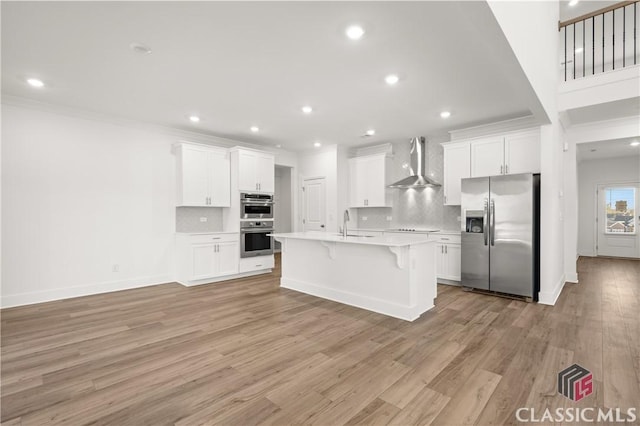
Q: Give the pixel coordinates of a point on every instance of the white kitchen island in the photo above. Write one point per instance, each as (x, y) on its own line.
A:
(393, 275)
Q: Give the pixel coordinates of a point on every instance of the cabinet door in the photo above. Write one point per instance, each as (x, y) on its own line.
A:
(204, 261)
(522, 153)
(487, 157)
(247, 172)
(457, 166)
(228, 258)
(454, 257)
(195, 172)
(374, 181)
(265, 173)
(357, 190)
(220, 183)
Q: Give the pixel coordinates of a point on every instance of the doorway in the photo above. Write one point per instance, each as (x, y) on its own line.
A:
(313, 204)
(283, 201)
(617, 220)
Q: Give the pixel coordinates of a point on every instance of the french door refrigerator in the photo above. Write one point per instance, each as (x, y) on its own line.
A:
(501, 234)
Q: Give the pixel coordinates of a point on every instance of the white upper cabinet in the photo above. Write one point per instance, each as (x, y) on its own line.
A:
(367, 181)
(522, 152)
(203, 176)
(517, 152)
(457, 166)
(256, 171)
(487, 157)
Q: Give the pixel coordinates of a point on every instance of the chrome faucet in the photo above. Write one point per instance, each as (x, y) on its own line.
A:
(345, 219)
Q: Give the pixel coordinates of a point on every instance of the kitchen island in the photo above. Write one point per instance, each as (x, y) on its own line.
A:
(393, 275)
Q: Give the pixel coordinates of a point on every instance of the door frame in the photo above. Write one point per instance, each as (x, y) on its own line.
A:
(303, 179)
(596, 208)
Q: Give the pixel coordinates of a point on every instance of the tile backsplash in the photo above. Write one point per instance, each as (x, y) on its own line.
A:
(415, 207)
(188, 219)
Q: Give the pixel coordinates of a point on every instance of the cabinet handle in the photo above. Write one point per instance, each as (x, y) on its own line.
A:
(444, 239)
(216, 238)
(506, 169)
(446, 249)
(501, 170)
(258, 265)
(445, 199)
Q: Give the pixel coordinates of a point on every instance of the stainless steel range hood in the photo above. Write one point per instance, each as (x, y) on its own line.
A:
(419, 177)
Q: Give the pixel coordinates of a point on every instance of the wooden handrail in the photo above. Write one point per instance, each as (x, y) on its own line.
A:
(595, 13)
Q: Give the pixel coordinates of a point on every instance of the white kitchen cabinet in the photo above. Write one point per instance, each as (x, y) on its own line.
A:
(367, 181)
(522, 152)
(487, 157)
(448, 256)
(512, 153)
(207, 256)
(203, 176)
(256, 171)
(258, 263)
(457, 166)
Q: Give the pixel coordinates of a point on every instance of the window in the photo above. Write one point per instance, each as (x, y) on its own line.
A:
(620, 210)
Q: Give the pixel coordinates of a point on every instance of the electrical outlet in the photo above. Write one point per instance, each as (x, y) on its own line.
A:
(203, 219)
(116, 268)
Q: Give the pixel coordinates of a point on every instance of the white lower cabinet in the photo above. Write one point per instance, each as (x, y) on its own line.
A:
(207, 256)
(448, 256)
(257, 263)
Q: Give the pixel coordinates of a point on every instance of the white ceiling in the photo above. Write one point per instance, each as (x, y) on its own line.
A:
(608, 149)
(238, 64)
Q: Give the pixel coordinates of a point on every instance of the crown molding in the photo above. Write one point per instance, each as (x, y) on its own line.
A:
(505, 126)
(627, 127)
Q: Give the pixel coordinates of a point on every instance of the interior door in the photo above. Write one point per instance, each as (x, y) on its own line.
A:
(617, 220)
(314, 204)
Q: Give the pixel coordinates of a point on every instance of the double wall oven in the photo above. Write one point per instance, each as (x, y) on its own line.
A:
(256, 223)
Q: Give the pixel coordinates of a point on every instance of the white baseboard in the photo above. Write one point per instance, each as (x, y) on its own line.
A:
(21, 299)
(572, 277)
(359, 301)
(224, 278)
(550, 298)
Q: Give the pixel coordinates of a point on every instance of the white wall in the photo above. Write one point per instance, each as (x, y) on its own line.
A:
(321, 163)
(80, 196)
(531, 29)
(283, 199)
(590, 174)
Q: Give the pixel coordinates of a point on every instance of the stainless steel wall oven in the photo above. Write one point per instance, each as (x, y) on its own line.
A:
(254, 239)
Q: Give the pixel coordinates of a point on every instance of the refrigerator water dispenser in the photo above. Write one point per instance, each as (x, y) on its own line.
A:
(474, 221)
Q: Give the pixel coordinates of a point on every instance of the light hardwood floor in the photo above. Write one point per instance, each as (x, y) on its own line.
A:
(247, 352)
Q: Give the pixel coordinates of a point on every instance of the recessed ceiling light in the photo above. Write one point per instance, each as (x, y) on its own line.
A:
(34, 82)
(371, 132)
(445, 114)
(307, 109)
(635, 143)
(317, 144)
(573, 2)
(579, 50)
(194, 118)
(254, 129)
(140, 48)
(355, 32)
(391, 79)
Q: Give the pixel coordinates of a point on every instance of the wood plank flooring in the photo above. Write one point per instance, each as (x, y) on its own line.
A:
(248, 352)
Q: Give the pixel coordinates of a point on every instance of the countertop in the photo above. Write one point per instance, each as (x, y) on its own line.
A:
(395, 240)
(440, 231)
(207, 233)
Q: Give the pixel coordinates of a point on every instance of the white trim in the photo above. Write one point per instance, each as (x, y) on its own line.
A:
(223, 278)
(604, 130)
(30, 298)
(369, 303)
(512, 125)
(550, 298)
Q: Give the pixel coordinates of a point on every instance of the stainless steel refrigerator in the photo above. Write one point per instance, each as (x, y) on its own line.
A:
(501, 234)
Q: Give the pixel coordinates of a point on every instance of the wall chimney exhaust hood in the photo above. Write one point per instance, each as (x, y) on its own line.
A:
(417, 168)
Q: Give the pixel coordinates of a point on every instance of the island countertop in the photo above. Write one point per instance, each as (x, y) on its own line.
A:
(390, 240)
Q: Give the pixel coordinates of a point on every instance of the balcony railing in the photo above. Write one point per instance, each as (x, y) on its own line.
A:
(604, 40)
